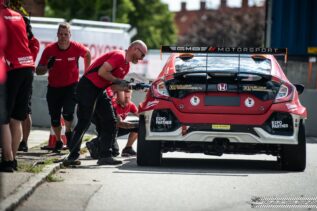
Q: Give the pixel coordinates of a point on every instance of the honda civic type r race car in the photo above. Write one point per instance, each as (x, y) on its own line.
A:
(223, 100)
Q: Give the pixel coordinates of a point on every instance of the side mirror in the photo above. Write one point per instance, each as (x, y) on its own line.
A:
(300, 88)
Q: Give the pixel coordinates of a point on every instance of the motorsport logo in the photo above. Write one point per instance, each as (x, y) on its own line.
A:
(210, 49)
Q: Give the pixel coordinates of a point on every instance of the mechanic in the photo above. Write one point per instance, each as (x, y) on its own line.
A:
(34, 46)
(60, 59)
(122, 108)
(20, 67)
(109, 69)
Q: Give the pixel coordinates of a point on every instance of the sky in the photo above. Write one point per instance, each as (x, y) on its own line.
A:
(175, 5)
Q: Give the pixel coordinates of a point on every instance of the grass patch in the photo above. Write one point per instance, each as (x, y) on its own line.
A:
(35, 168)
(83, 150)
(54, 178)
(87, 138)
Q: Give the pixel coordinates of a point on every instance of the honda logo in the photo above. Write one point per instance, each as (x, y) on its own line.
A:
(222, 87)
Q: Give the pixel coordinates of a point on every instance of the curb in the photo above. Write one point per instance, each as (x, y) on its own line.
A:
(26, 189)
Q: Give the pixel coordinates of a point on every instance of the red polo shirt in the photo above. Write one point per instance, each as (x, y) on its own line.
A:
(16, 52)
(124, 111)
(116, 59)
(65, 69)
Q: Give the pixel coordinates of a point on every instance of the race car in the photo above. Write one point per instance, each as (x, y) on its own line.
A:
(217, 100)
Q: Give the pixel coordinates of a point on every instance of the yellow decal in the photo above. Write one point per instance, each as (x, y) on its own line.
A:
(184, 87)
(254, 88)
(220, 127)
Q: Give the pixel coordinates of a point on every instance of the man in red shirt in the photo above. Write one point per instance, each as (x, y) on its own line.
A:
(107, 70)
(60, 59)
(122, 106)
(20, 66)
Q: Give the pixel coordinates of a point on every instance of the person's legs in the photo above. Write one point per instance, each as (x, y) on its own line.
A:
(86, 95)
(93, 145)
(108, 131)
(16, 133)
(54, 103)
(26, 129)
(18, 87)
(7, 162)
(133, 135)
(26, 126)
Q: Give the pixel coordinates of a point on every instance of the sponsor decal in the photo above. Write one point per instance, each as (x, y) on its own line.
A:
(13, 18)
(188, 48)
(291, 106)
(25, 60)
(278, 125)
(159, 120)
(249, 102)
(222, 87)
(220, 127)
(71, 58)
(184, 87)
(254, 88)
(151, 104)
(194, 100)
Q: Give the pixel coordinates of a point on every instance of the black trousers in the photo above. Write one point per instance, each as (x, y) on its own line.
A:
(106, 125)
(86, 96)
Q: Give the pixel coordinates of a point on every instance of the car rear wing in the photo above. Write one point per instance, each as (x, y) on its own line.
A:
(225, 50)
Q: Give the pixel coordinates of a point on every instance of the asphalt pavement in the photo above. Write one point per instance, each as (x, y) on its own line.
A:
(16, 187)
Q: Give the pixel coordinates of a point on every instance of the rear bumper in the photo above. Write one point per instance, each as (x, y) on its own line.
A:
(260, 137)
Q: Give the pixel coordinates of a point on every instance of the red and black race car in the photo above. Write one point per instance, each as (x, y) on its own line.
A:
(223, 100)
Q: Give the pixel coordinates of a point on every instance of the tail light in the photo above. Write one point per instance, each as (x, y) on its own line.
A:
(285, 93)
(159, 90)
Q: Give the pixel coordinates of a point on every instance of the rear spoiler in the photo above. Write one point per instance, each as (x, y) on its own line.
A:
(225, 50)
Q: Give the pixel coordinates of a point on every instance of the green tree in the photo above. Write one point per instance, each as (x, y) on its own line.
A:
(152, 19)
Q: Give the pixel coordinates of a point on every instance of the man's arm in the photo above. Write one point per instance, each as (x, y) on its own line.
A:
(87, 59)
(105, 72)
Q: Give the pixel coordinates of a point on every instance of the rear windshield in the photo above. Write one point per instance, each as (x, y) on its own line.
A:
(224, 63)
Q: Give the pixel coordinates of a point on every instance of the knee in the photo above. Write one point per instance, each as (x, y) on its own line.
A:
(68, 117)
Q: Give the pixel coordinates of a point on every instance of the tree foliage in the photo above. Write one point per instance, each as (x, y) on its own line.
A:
(234, 29)
(152, 19)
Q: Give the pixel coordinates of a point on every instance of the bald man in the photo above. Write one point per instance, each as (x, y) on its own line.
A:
(108, 70)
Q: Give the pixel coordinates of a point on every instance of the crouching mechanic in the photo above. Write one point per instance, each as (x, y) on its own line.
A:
(122, 105)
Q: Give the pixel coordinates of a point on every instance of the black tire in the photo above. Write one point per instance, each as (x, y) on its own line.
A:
(293, 157)
(148, 152)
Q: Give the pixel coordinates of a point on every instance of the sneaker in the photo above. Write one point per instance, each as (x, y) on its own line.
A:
(108, 161)
(71, 162)
(23, 146)
(93, 150)
(128, 152)
(7, 166)
(15, 164)
(58, 146)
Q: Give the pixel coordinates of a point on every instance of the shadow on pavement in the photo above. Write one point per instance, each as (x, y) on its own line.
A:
(195, 166)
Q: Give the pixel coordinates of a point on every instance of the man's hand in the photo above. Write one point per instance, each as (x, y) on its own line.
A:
(50, 62)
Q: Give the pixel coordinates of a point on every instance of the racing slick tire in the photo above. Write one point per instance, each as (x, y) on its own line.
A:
(148, 152)
(293, 157)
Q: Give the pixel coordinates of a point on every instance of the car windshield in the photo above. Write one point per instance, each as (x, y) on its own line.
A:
(231, 63)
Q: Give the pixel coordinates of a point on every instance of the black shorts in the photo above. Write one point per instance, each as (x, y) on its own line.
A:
(123, 131)
(29, 111)
(18, 89)
(61, 101)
